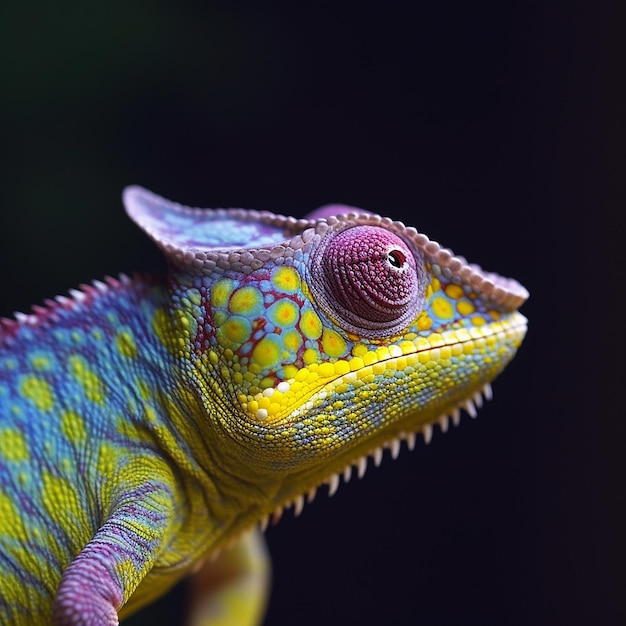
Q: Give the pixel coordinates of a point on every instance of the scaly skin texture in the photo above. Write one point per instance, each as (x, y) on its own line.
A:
(146, 423)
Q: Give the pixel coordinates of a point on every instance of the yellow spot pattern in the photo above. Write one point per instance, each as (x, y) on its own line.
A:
(246, 301)
(333, 343)
(62, 503)
(41, 362)
(108, 459)
(267, 352)
(221, 292)
(92, 384)
(424, 321)
(13, 445)
(162, 326)
(477, 320)
(292, 340)
(310, 356)
(38, 391)
(453, 291)
(11, 524)
(465, 307)
(144, 388)
(286, 279)
(233, 332)
(126, 344)
(442, 308)
(284, 312)
(311, 325)
(73, 427)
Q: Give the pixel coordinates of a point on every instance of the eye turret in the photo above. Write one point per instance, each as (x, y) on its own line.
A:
(368, 279)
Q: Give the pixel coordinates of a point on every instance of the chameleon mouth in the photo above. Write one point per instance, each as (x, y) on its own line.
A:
(314, 383)
(511, 333)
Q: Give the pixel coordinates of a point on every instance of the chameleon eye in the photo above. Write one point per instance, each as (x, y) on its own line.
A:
(396, 258)
(368, 280)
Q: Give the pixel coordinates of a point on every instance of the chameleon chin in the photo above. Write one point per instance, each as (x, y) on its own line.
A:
(150, 426)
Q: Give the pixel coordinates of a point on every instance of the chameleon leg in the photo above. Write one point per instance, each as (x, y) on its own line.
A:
(232, 589)
(103, 576)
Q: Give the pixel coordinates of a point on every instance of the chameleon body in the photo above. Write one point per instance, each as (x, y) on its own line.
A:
(146, 423)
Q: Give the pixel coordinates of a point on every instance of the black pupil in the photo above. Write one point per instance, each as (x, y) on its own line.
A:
(396, 258)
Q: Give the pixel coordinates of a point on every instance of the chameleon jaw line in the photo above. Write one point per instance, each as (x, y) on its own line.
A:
(470, 406)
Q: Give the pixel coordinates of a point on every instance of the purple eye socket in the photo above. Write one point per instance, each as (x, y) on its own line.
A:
(368, 280)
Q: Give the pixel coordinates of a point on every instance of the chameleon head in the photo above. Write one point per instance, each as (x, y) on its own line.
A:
(334, 336)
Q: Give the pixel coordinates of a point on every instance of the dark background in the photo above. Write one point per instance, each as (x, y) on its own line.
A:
(494, 128)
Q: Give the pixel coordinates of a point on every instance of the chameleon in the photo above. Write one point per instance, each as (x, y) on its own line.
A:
(152, 426)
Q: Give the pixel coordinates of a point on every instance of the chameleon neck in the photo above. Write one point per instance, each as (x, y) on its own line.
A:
(199, 413)
(106, 369)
